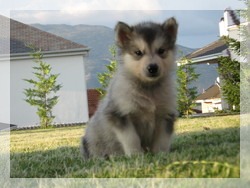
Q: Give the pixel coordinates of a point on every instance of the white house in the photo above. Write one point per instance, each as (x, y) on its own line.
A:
(210, 99)
(66, 59)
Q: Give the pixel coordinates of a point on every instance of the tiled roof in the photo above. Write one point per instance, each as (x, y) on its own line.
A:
(22, 35)
(5, 126)
(213, 48)
(212, 92)
(4, 35)
(233, 18)
(93, 100)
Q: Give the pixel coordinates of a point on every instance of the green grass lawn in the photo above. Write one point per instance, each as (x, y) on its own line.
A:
(202, 147)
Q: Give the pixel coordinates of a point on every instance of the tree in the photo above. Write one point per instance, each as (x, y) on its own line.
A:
(43, 88)
(105, 77)
(229, 71)
(186, 94)
(245, 66)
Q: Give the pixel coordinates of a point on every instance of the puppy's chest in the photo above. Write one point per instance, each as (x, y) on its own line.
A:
(145, 125)
(145, 116)
(150, 110)
(150, 105)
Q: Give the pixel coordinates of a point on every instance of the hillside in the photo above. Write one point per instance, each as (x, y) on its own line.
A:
(98, 39)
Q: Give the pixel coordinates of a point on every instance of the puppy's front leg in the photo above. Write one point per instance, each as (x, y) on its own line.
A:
(128, 138)
(162, 135)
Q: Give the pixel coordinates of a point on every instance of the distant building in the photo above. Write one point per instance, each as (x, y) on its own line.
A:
(93, 100)
(66, 58)
(208, 55)
(209, 100)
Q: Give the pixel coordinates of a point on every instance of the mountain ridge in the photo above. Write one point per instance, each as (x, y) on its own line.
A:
(96, 37)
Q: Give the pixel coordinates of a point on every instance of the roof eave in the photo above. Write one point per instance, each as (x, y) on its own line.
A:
(59, 53)
(206, 58)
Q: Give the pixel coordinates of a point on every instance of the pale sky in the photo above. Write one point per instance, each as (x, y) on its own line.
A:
(198, 19)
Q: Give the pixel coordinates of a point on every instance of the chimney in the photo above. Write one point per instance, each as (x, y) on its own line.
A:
(223, 24)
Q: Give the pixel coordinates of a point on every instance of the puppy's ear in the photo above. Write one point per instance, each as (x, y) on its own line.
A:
(123, 34)
(170, 28)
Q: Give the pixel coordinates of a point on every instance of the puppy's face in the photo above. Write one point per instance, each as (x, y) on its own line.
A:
(147, 48)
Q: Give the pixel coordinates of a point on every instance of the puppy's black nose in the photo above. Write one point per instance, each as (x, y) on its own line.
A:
(152, 69)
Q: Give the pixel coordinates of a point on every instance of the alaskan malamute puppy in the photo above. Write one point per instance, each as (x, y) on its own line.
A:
(138, 112)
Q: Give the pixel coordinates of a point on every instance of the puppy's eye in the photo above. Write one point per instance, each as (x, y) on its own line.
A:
(138, 53)
(161, 51)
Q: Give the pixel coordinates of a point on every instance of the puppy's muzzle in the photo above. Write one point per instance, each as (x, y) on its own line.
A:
(153, 70)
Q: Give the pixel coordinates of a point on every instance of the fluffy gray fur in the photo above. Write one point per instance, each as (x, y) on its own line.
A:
(138, 112)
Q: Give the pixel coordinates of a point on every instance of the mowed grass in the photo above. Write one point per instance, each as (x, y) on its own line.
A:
(202, 148)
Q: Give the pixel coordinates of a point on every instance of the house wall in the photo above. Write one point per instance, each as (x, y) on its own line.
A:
(72, 105)
(234, 32)
(5, 91)
(208, 106)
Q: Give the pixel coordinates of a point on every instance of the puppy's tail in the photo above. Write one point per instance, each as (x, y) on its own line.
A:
(84, 148)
